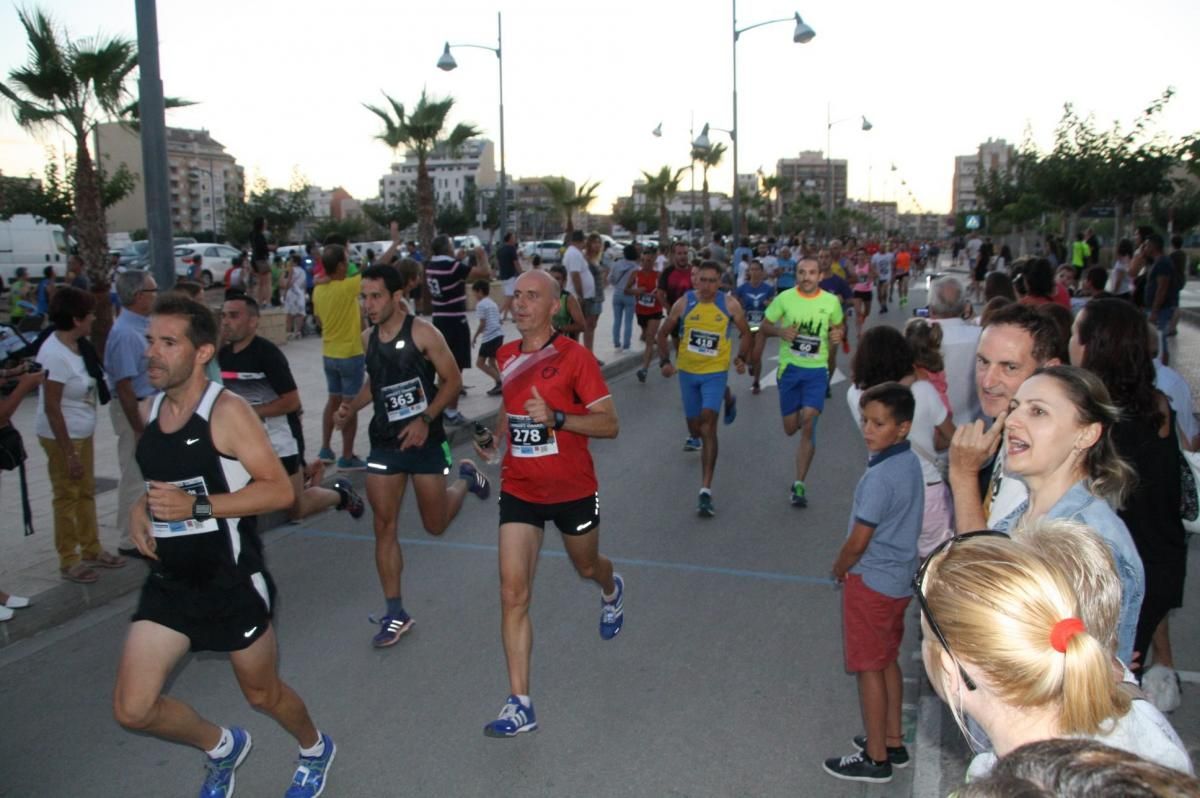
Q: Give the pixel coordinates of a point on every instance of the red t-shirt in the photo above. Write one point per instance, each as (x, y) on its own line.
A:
(543, 465)
(675, 282)
(902, 262)
(647, 303)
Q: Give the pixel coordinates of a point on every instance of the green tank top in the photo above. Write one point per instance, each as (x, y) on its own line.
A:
(562, 318)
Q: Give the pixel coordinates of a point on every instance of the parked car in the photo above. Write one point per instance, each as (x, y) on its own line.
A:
(467, 242)
(550, 251)
(215, 261)
(135, 256)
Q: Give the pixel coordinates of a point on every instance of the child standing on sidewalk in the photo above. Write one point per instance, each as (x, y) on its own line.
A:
(488, 313)
(876, 567)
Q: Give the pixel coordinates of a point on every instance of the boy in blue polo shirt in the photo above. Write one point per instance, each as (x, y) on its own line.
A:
(875, 567)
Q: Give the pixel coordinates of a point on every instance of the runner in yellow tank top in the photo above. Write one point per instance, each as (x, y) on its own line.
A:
(703, 356)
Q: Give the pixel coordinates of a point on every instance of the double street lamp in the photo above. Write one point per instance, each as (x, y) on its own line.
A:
(803, 34)
(829, 166)
(447, 63)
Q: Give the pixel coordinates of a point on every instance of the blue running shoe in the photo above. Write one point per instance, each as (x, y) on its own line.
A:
(691, 445)
(705, 506)
(391, 630)
(351, 463)
(514, 719)
(220, 779)
(730, 410)
(611, 613)
(477, 483)
(351, 501)
(311, 772)
(327, 456)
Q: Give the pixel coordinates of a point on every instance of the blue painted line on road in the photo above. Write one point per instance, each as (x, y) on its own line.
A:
(768, 576)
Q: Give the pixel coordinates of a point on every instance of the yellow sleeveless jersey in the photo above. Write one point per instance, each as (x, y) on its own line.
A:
(704, 346)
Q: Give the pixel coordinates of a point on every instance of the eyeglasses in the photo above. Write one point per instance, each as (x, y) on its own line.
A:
(147, 290)
(919, 580)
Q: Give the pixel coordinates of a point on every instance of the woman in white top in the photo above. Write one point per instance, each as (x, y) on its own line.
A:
(293, 288)
(1119, 284)
(66, 420)
(884, 355)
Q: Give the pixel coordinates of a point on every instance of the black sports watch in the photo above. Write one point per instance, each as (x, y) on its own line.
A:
(202, 507)
(428, 419)
(560, 418)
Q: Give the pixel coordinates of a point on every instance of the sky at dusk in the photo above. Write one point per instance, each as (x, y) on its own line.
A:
(281, 84)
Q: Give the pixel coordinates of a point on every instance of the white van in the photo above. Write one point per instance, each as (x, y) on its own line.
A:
(26, 240)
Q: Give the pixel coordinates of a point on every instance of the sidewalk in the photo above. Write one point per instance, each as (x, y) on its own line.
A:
(29, 565)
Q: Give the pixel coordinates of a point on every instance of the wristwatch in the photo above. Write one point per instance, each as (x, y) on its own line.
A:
(428, 419)
(202, 507)
(560, 418)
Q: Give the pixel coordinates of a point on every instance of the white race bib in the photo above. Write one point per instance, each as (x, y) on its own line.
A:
(404, 399)
(194, 486)
(527, 438)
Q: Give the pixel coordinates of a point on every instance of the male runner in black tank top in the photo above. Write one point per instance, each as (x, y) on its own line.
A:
(210, 470)
(404, 354)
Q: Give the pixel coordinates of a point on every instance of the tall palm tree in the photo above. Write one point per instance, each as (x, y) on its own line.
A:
(708, 157)
(772, 186)
(75, 86)
(567, 199)
(660, 189)
(422, 132)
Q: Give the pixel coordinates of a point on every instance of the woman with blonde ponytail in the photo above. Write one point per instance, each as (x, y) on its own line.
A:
(1006, 643)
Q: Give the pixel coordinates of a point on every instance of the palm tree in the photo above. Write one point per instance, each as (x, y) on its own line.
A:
(708, 157)
(421, 131)
(771, 187)
(567, 199)
(660, 189)
(75, 85)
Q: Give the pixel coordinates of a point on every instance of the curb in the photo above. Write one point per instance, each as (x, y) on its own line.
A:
(62, 602)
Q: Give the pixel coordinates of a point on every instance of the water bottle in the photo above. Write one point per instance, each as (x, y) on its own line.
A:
(483, 438)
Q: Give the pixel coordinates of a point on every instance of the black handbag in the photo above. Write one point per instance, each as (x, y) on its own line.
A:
(12, 456)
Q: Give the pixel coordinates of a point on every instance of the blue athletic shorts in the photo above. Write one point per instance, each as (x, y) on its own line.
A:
(702, 392)
(344, 375)
(800, 387)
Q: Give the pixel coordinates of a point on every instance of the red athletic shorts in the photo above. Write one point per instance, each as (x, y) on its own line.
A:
(872, 626)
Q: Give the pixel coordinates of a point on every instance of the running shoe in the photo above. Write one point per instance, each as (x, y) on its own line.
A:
(495, 390)
(452, 416)
(351, 463)
(514, 719)
(641, 375)
(391, 630)
(220, 779)
(327, 456)
(903, 301)
(611, 613)
(730, 410)
(352, 503)
(799, 499)
(691, 445)
(755, 388)
(883, 309)
(897, 756)
(705, 506)
(477, 483)
(311, 771)
(858, 767)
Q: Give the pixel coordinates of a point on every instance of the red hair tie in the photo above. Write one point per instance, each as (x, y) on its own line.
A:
(1063, 631)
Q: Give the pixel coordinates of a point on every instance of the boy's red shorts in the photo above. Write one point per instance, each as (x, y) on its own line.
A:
(872, 626)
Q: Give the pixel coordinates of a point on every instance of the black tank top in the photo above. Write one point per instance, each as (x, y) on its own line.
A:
(216, 552)
(401, 386)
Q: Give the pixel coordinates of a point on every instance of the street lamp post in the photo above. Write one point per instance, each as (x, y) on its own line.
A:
(803, 34)
(657, 133)
(829, 166)
(446, 63)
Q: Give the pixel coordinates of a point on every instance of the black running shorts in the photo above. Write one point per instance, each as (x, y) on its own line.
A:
(213, 618)
(576, 517)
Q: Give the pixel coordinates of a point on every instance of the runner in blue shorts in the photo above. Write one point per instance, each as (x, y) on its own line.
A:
(807, 321)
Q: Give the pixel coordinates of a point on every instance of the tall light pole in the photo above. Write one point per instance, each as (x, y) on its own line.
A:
(829, 166)
(803, 34)
(446, 63)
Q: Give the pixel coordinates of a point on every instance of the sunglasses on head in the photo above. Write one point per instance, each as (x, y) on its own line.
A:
(919, 581)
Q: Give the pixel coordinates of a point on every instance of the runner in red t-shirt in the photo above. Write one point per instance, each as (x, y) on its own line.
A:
(901, 271)
(555, 398)
(644, 287)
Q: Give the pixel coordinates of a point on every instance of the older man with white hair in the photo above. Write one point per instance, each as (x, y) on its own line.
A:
(948, 307)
